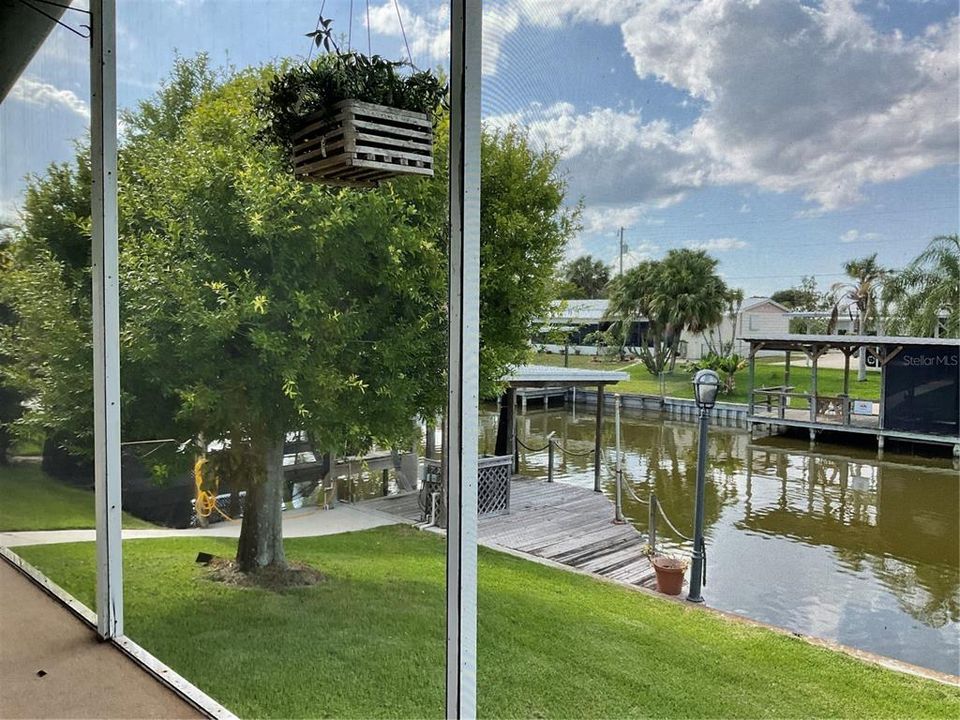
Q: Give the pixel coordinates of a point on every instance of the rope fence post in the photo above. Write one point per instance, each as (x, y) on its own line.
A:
(652, 524)
(550, 449)
(618, 517)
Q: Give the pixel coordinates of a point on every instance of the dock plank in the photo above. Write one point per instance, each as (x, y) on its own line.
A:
(564, 523)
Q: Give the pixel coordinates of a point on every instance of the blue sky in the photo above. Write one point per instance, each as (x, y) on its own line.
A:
(783, 136)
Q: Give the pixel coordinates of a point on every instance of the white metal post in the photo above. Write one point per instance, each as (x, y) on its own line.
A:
(463, 370)
(106, 316)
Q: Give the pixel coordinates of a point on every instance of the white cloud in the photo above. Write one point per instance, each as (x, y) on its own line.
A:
(805, 99)
(606, 219)
(721, 244)
(611, 156)
(41, 94)
(797, 97)
(9, 212)
(427, 33)
(853, 235)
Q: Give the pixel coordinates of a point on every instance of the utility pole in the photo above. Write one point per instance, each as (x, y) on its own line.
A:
(622, 248)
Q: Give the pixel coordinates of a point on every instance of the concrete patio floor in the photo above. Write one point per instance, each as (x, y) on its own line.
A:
(53, 666)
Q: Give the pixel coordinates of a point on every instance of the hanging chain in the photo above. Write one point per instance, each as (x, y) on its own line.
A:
(396, 4)
(369, 44)
(316, 29)
(350, 29)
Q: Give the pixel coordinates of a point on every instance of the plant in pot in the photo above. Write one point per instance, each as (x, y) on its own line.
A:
(351, 119)
(670, 571)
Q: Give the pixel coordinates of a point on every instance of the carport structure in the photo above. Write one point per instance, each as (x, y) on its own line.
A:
(558, 378)
(919, 388)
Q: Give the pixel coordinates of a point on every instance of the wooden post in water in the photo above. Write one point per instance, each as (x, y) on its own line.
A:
(652, 525)
(814, 392)
(596, 442)
(550, 448)
(786, 386)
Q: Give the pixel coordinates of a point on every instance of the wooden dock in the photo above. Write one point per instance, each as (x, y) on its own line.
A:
(563, 523)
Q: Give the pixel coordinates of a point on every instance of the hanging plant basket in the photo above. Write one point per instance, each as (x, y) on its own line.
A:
(352, 120)
(362, 144)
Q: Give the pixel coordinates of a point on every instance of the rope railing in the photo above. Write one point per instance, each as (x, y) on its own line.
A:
(666, 519)
(557, 446)
(522, 444)
(613, 472)
(629, 489)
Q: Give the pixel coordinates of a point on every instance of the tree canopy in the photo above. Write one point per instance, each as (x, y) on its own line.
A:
(253, 304)
(923, 299)
(680, 292)
(584, 278)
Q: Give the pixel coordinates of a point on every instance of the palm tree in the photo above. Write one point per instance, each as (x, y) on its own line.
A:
(925, 296)
(861, 296)
(680, 292)
(586, 277)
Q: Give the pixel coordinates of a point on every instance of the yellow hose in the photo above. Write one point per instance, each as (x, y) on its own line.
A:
(206, 502)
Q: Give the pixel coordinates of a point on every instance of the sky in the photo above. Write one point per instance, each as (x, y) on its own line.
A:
(783, 136)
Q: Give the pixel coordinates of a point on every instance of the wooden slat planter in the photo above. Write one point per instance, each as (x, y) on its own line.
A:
(363, 144)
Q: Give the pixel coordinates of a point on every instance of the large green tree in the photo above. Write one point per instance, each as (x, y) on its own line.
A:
(253, 305)
(680, 292)
(923, 299)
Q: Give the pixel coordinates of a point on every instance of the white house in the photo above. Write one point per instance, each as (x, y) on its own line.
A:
(757, 316)
(578, 319)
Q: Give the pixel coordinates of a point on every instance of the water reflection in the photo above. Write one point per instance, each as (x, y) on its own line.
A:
(897, 519)
(831, 542)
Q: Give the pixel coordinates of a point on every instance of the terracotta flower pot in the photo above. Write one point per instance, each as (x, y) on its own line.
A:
(669, 574)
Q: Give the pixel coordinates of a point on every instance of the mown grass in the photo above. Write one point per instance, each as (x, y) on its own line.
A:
(768, 373)
(579, 361)
(32, 500)
(368, 642)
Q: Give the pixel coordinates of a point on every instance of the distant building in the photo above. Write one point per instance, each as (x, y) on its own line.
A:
(579, 319)
(757, 316)
(816, 321)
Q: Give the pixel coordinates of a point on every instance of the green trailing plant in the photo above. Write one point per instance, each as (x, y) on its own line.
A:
(313, 89)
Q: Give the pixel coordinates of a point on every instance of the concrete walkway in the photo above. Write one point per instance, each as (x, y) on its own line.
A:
(52, 665)
(306, 522)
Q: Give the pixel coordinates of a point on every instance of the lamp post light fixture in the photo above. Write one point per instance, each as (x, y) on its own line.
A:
(706, 385)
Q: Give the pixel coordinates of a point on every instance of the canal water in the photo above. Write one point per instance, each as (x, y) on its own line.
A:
(829, 542)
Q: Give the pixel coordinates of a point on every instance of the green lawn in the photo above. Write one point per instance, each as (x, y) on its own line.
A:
(368, 642)
(829, 382)
(31, 500)
(769, 373)
(578, 361)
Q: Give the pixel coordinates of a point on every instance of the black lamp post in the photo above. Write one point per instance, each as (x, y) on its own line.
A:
(706, 385)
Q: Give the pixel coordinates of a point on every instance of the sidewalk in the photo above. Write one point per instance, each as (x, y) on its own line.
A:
(306, 522)
(53, 666)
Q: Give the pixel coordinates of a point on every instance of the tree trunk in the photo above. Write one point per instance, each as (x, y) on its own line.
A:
(261, 533)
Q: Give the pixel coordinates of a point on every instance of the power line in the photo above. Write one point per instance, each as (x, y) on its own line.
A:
(793, 220)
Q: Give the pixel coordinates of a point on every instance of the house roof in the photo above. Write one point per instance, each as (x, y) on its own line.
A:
(794, 342)
(550, 376)
(755, 300)
(579, 309)
(23, 28)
